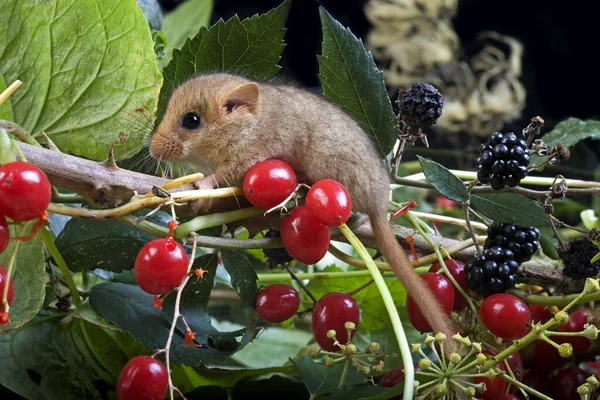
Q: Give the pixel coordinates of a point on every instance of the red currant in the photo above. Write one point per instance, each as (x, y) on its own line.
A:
(304, 237)
(331, 312)
(24, 191)
(443, 291)
(493, 387)
(547, 357)
(566, 383)
(3, 279)
(143, 378)
(4, 234)
(268, 183)
(540, 381)
(393, 377)
(507, 397)
(160, 266)
(539, 313)
(506, 316)
(577, 320)
(457, 270)
(277, 302)
(329, 201)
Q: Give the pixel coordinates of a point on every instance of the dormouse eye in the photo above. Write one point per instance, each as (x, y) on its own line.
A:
(190, 121)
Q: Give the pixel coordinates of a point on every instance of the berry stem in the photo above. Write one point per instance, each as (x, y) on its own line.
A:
(19, 133)
(299, 282)
(48, 239)
(521, 385)
(9, 273)
(409, 370)
(270, 278)
(212, 220)
(9, 90)
(361, 287)
(347, 365)
(466, 207)
(555, 300)
(448, 220)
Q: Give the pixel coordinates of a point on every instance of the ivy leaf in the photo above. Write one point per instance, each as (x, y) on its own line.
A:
(251, 47)
(185, 21)
(510, 208)
(6, 107)
(320, 379)
(444, 181)
(243, 276)
(351, 80)
(571, 131)
(88, 68)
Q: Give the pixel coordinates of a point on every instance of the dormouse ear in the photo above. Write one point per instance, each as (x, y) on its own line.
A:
(245, 95)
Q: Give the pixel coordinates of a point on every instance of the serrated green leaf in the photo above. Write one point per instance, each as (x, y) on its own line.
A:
(570, 131)
(6, 107)
(132, 309)
(320, 379)
(510, 208)
(88, 68)
(351, 80)
(251, 48)
(185, 21)
(444, 181)
(29, 280)
(243, 276)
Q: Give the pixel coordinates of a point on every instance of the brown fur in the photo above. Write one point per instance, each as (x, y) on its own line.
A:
(244, 122)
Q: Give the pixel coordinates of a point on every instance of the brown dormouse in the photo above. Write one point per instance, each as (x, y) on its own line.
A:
(226, 123)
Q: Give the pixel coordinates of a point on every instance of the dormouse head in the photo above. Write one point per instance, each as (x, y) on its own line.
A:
(203, 115)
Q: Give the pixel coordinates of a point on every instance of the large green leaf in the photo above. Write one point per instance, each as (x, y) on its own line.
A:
(443, 180)
(351, 80)
(251, 47)
(185, 21)
(243, 277)
(320, 379)
(88, 68)
(510, 208)
(570, 131)
(29, 279)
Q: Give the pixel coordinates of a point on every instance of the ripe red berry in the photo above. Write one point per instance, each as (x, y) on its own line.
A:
(457, 270)
(143, 378)
(506, 316)
(493, 387)
(539, 313)
(547, 357)
(540, 381)
(4, 234)
(3, 279)
(24, 191)
(331, 312)
(516, 365)
(507, 397)
(444, 293)
(577, 320)
(304, 237)
(160, 266)
(329, 201)
(566, 383)
(393, 377)
(268, 183)
(277, 302)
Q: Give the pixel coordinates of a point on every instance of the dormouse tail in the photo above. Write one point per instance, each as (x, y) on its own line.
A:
(415, 286)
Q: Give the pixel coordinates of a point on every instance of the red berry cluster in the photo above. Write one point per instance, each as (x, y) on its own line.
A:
(305, 231)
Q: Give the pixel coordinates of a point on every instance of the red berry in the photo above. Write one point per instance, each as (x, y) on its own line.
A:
(143, 378)
(516, 365)
(566, 383)
(506, 316)
(3, 280)
(443, 291)
(160, 266)
(277, 302)
(393, 377)
(331, 312)
(493, 387)
(304, 237)
(457, 270)
(540, 381)
(4, 234)
(507, 397)
(547, 357)
(577, 319)
(539, 313)
(329, 201)
(445, 202)
(24, 191)
(268, 183)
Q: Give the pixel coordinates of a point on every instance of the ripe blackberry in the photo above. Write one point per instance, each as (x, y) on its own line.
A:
(577, 259)
(503, 160)
(523, 242)
(276, 256)
(492, 272)
(421, 105)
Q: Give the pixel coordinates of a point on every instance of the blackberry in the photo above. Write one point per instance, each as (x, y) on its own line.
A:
(576, 259)
(523, 242)
(277, 256)
(421, 105)
(492, 272)
(503, 160)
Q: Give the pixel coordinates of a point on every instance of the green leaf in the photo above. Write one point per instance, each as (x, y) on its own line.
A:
(510, 208)
(364, 391)
(204, 376)
(89, 72)
(7, 153)
(570, 131)
(595, 258)
(152, 13)
(320, 379)
(6, 107)
(132, 309)
(243, 276)
(444, 181)
(185, 21)
(29, 280)
(251, 47)
(351, 80)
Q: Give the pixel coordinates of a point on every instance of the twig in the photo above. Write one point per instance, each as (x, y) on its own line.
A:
(466, 208)
(299, 281)
(9, 90)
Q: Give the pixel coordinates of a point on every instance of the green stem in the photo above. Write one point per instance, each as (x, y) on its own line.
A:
(48, 239)
(212, 220)
(9, 272)
(520, 385)
(409, 370)
(270, 278)
(345, 373)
